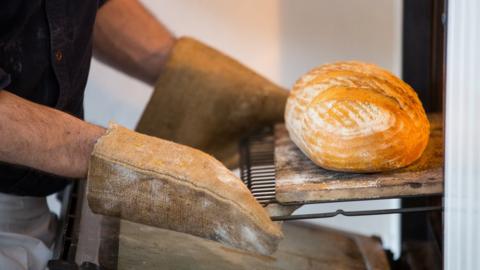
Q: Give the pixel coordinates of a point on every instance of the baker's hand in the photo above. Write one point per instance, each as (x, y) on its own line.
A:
(207, 100)
(156, 182)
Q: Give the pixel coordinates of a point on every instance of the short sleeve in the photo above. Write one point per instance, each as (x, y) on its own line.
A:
(4, 79)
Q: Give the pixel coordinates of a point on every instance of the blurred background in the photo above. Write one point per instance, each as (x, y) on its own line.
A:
(280, 39)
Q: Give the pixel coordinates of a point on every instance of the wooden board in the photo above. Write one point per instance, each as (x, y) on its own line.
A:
(304, 247)
(299, 180)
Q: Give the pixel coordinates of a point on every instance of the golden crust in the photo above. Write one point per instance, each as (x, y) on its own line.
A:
(353, 116)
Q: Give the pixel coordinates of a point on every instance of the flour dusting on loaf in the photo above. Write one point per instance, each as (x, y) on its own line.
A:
(357, 117)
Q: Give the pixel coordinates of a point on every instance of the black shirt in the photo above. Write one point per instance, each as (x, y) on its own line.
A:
(45, 52)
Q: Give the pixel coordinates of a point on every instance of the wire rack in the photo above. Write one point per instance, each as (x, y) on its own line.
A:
(257, 165)
(257, 171)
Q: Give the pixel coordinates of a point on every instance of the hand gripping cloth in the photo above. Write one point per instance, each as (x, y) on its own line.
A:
(207, 100)
(171, 186)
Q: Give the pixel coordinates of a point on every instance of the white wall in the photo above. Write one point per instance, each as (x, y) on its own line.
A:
(281, 39)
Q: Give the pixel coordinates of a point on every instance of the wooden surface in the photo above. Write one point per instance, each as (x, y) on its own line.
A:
(304, 247)
(299, 180)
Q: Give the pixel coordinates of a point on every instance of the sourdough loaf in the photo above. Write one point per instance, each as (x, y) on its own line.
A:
(357, 117)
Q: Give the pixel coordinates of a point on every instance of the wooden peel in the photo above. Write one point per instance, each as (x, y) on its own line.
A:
(305, 246)
(299, 180)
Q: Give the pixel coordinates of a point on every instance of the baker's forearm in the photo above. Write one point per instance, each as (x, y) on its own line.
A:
(43, 138)
(127, 37)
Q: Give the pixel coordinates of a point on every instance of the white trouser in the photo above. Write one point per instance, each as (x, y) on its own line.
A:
(27, 232)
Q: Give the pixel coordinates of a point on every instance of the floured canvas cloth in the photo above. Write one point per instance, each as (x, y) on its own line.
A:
(164, 184)
(207, 100)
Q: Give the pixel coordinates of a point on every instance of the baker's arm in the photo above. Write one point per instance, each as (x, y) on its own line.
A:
(128, 38)
(202, 97)
(137, 177)
(46, 139)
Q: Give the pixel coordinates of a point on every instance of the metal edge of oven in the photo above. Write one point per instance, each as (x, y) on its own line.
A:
(66, 244)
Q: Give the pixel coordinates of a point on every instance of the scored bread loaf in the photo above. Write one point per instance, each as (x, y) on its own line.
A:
(356, 117)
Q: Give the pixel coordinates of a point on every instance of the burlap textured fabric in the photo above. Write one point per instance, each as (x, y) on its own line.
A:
(208, 100)
(171, 186)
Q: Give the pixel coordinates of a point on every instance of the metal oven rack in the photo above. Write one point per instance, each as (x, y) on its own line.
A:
(257, 170)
